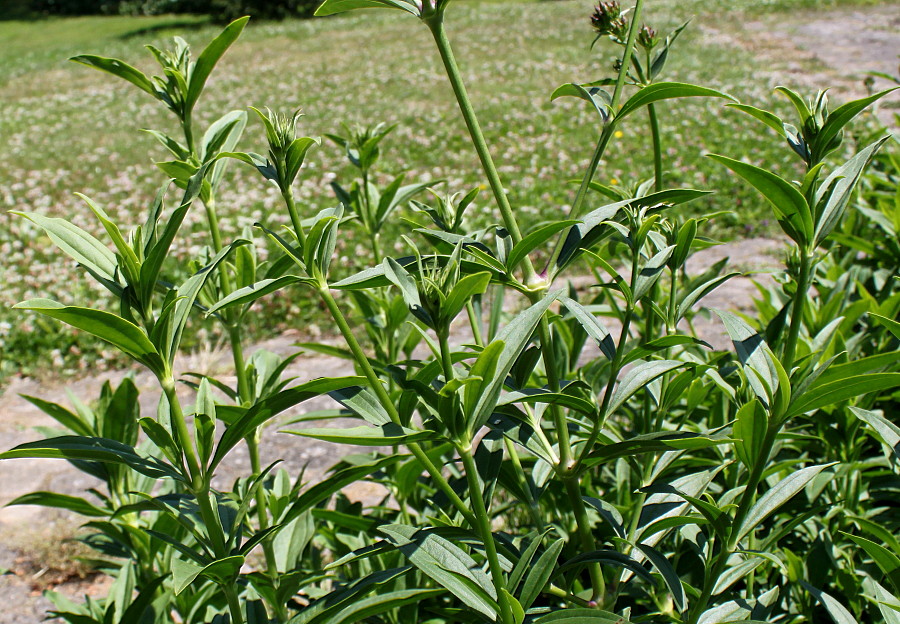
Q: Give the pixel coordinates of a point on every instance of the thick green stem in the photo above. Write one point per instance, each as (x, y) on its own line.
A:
(288, 195)
(234, 605)
(803, 284)
(657, 149)
(474, 323)
(483, 524)
(610, 125)
(388, 404)
(585, 535)
(183, 436)
(436, 24)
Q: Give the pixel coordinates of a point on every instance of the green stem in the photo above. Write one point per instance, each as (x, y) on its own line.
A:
(183, 436)
(288, 195)
(610, 125)
(803, 284)
(485, 531)
(657, 148)
(436, 25)
(474, 323)
(388, 404)
(234, 605)
(585, 535)
(262, 512)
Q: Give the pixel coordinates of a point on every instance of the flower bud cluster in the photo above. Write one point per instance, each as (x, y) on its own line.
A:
(609, 20)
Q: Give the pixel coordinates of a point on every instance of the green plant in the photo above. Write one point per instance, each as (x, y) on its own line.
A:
(528, 477)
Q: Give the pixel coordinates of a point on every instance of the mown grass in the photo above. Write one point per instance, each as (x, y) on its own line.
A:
(66, 128)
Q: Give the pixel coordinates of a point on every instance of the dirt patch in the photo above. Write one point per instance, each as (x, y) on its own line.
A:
(809, 50)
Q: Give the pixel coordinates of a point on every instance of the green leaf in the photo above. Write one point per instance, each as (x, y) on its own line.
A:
(78, 244)
(375, 605)
(840, 117)
(337, 480)
(331, 7)
(187, 296)
(90, 449)
(638, 377)
(118, 68)
(447, 565)
(650, 272)
(825, 394)
(599, 98)
(362, 402)
(658, 442)
(386, 435)
(887, 432)
(67, 419)
(296, 154)
(462, 292)
(61, 501)
(126, 336)
(592, 326)
(580, 616)
(777, 495)
(754, 354)
(790, 206)
(270, 407)
(255, 291)
(835, 609)
(540, 574)
(770, 119)
(883, 558)
(665, 91)
(891, 325)
(515, 337)
(750, 431)
(670, 576)
(208, 59)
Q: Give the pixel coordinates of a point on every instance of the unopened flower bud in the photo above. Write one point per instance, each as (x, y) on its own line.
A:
(604, 17)
(647, 37)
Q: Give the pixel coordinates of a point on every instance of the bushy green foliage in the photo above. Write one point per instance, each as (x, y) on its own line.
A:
(586, 459)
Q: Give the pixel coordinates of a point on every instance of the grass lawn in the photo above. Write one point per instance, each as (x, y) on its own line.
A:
(66, 128)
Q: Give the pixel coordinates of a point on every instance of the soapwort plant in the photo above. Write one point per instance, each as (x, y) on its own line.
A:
(588, 459)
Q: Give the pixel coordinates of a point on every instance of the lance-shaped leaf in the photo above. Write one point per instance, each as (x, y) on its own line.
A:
(331, 7)
(833, 607)
(886, 431)
(883, 558)
(386, 435)
(296, 154)
(840, 117)
(122, 334)
(257, 290)
(61, 501)
(650, 272)
(515, 337)
(835, 192)
(790, 206)
(540, 573)
(268, 408)
(77, 244)
(592, 325)
(208, 59)
(75, 448)
(598, 97)
(580, 616)
(825, 394)
(638, 377)
(754, 354)
(534, 240)
(666, 91)
(187, 296)
(777, 496)
(118, 68)
(446, 564)
(657, 442)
